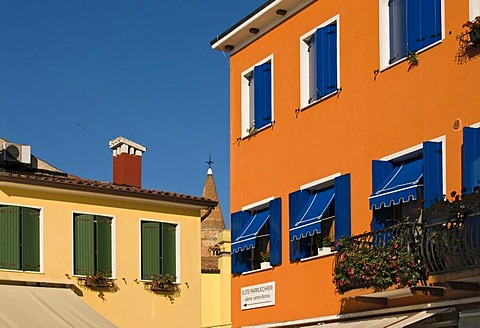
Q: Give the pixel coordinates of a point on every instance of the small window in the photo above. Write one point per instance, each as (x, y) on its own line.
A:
(159, 254)
(404, 185)
(319, 62)
(92, 244)
(257, 111)
(256, 233)
(471, 159)
(474, 9)
(19, 238)
(411, 24)
(318, 216)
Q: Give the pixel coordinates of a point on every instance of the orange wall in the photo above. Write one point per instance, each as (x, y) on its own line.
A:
(369, 119)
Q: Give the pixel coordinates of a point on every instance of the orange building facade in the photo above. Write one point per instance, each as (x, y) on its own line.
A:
(345, 117)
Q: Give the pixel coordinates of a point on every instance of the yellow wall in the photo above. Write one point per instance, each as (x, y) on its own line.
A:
(131, 305)
(216, 288)
(374, 115)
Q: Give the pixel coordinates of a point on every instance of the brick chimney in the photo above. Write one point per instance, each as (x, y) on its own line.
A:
(127, 162)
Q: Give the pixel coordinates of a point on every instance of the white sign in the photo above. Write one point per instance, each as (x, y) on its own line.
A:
(258, 296)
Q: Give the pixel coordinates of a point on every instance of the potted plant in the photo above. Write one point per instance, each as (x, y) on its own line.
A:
(474, 32)
(265, 256)
(324, 245)
(458, 207)
(99, 279)
(165, 283)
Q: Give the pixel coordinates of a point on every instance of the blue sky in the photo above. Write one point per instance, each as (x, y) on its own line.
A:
(76, 74)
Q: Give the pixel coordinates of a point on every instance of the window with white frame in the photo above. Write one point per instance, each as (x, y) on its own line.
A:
(474, 9)
(19, 238)
(319, 62)
(403, 185)
(407, 26)
(257, 97)
(92, 244)
(319, 215)
(158, 249)
(256, 236)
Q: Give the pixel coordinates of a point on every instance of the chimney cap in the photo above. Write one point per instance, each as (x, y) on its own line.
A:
(119, 141)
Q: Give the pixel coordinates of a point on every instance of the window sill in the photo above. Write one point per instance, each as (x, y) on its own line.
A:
(318, 256)
(384, 68)
(251, 134)
(257, 270)
(307, 106)
(21, 271)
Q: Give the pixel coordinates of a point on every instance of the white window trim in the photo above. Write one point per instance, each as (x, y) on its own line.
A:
(474, 9)
(258, 205)
(326, 181)
(177, 248)
(419, 147)
(475, 125)
(41, 238)
(384, 33)
(305, 67)
(246, 110)
(113, 244)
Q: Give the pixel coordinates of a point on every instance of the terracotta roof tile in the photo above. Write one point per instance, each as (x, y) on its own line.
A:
(75, 183)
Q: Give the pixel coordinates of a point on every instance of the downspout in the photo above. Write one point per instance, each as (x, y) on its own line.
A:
(204, 216)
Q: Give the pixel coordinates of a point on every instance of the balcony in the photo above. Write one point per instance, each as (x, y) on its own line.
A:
(380, 259)
(452, 245)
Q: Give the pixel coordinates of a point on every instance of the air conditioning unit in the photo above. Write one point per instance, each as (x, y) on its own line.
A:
(16, 153)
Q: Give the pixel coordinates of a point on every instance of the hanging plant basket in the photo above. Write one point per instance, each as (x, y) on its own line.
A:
(475, 36)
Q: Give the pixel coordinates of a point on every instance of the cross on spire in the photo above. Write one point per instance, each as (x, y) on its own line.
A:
(209, 162)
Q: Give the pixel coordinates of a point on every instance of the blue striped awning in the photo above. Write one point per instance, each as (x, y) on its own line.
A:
(400, 185)
(308, 221)
(246, 239)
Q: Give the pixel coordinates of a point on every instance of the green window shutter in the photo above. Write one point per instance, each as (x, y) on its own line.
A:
(10, 237)
(168, 249)
(30, 239)
(104, 245)
(84, 245)
(150, 250)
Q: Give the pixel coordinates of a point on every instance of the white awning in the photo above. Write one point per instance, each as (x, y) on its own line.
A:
(398, 321)
(24, 306)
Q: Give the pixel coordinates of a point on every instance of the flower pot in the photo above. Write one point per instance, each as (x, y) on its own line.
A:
(92, 282)
(324, 250)
(162, 288)
(264, 265)
(475, 36)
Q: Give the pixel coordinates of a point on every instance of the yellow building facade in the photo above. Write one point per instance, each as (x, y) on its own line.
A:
(71, 229)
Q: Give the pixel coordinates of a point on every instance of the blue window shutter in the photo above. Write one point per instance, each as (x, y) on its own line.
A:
(296, 202)
(237, 221)
(431, 29)
(432, 172)
(471, 158)
(414, 20)
(380, 171)
(262, 76)
(326, 60)
(342, 207)
(313, 71)
(397, 28)
(276, 231)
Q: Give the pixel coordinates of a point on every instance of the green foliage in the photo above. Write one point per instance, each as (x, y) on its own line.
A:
(364, 265)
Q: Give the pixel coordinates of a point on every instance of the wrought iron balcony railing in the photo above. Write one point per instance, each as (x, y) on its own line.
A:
(380, 259)
(452, 245)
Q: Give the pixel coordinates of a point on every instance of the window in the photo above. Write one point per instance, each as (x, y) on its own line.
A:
(92, 244)
(256, 231)
(400, 185)
(319, 63)
(474, 9)
(471, 158)
(408, 26)
(319, 212)
(158, 249)
(257, 97)
(19, 238)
